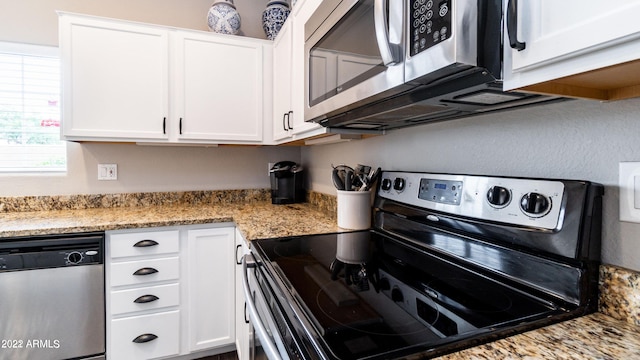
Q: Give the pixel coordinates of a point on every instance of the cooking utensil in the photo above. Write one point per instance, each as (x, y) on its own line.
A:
(372, 179)
(337, 181)
(338, 175)
(348, 180)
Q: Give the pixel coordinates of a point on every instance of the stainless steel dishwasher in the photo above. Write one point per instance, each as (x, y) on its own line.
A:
(52, 297)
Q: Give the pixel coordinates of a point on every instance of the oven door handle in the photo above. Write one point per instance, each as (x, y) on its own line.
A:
(268, 346)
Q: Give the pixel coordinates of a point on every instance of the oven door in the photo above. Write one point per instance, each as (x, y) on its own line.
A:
(270, 336)
(353, 54)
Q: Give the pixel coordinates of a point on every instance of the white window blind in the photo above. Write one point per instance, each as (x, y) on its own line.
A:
(30, 109)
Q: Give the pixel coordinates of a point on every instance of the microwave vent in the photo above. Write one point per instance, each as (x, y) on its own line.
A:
(487, 97)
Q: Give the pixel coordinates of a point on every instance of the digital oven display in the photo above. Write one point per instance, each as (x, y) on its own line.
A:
(441, 191)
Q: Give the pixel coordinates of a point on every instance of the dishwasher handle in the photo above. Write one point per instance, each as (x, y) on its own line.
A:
(268, 346)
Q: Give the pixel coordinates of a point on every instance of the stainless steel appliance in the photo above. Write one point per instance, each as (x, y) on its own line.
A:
(52, 305)
(286, 183)
(452, 261)
(384, 64)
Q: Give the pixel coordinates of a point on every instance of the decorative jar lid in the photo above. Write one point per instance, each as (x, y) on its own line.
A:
(228, 2)
(278, 2)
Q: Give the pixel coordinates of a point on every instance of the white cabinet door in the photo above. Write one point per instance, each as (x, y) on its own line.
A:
(570, 37)
(282, 82)
(219, 88)
(211, 288)
(302, 14)
(126, 81)
(115, 79)
(243, 329)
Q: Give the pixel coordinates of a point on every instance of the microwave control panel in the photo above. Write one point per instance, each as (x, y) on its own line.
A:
(429, 23)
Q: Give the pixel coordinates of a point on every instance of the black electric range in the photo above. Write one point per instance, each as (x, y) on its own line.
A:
(452, 261)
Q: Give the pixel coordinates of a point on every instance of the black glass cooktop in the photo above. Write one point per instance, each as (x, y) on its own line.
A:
(370, 295)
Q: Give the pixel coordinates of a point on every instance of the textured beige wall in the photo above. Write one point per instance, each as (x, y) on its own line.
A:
(35, 21)
(578, 139)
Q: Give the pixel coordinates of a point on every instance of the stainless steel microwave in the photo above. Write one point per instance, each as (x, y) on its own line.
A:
(383, 64)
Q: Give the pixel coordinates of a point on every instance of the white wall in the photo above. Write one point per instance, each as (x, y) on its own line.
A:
(140, 168)
(572, 140)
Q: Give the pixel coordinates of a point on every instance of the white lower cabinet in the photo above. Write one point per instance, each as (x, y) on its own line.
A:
(243, 330)
(170, 292)
(211, 288)
(160, 329)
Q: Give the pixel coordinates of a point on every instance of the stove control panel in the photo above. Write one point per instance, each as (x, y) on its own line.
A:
(527, 202)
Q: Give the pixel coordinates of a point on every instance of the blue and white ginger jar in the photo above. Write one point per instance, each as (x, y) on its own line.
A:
(223, 17)
(274, 16)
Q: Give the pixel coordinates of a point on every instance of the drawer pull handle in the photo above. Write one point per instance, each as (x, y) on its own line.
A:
(145, 338)
(146, 299)
(145, 243)
(145, 271)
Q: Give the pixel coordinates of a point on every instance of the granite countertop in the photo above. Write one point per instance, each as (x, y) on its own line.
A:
(596, 336)
(255, 220)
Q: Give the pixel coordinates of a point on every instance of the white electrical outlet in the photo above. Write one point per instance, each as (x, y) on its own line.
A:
(630, 191)
(107, 171)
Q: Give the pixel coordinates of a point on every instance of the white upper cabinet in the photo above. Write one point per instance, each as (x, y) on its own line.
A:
(126, 81)
(578, 48)
(282, 82)
(115, 80)
(289, 77)
(301, 12)
(218, 87)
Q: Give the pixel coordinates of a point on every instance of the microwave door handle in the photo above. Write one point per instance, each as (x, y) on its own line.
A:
(268, 346)
(388, 52)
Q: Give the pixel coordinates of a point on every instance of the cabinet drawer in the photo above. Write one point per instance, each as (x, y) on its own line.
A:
(150, 270)
(144, 243)
(148, 298)
(163, 326)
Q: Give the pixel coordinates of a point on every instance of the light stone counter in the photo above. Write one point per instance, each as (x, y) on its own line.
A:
(611, 334)
(255, 219)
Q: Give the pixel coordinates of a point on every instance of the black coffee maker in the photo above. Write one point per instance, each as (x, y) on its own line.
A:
(286, 183)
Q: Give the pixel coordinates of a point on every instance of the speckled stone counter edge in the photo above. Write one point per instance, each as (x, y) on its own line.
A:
(78, 202)
(620, 293)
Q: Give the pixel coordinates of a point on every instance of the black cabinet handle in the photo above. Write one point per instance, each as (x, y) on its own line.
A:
(145, 271)
(238, 248)
(145, 338)
(146, 299)
(146, 243)
(246, 319)
(284, 124)
(180, 126)
(512, 25)
(164, 125)
(289, 116)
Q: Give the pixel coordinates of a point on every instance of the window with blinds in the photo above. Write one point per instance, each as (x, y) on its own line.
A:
(30, 109)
